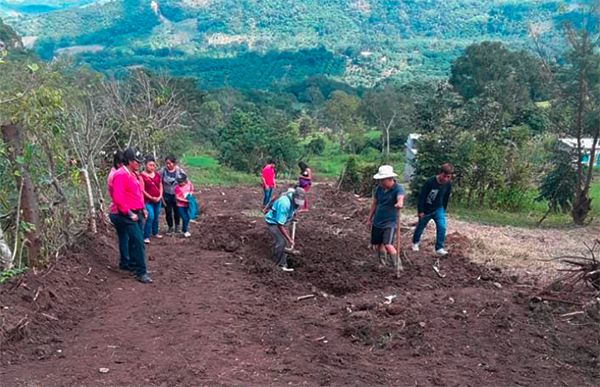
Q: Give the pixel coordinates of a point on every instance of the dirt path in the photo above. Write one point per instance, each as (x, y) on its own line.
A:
(220, 314)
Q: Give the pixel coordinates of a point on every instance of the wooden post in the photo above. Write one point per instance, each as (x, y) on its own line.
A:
(399, 266)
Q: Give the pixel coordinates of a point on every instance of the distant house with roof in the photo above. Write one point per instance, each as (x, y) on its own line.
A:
(411, 154)
(570, 144)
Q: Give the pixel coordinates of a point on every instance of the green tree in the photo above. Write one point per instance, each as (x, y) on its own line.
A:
(248, 140)
(512, 78)
(579, 103)
(343, 116)
(392, 112)
(557, 185)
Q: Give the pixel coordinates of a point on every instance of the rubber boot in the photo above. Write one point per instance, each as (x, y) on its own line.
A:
(392, 260)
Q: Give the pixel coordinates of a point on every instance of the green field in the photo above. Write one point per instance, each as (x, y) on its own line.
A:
(529, 216)
(205, 170)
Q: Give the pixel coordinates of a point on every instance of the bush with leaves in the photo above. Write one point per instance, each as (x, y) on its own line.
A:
(358, 177)
(316, 146)
(557, 186)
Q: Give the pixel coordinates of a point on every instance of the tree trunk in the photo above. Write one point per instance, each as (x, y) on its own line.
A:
(582, 204)
(29, 202)
(91, 209)
(6, 257)
(387, 135)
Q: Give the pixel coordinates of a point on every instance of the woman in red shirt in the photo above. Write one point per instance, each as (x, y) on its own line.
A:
(153, 191)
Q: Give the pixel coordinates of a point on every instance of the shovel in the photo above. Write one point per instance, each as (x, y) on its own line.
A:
(291, 250)
(436, 268)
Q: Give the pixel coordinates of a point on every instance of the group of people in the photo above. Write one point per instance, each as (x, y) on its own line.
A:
(384, 214)
(136, 200)
(137, 197)
(388, 200)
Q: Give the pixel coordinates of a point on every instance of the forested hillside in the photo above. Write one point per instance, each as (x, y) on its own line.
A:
(262, 44)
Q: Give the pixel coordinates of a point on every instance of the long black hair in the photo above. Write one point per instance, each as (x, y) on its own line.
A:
(302, 166)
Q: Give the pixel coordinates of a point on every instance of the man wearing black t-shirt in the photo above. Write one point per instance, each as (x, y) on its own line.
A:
(432, 204)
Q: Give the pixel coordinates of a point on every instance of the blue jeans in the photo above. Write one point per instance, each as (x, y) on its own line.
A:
(439, 217)
(131, 243)
(185, 218)
(267, 192)
(151, 226)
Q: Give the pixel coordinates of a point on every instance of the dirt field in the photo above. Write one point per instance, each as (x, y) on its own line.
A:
(219, 313)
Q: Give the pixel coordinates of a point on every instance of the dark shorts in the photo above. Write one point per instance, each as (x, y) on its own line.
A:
(382, 235)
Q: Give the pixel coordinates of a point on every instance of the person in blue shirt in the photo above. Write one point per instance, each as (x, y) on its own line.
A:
(388, 198)
(277, 219)
(432, 204)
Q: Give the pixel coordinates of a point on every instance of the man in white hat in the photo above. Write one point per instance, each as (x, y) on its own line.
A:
(388, 198)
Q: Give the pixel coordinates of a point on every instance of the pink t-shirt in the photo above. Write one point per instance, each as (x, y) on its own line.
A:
(181, 192)
(112, 209)
(268, 174)
(127, 192)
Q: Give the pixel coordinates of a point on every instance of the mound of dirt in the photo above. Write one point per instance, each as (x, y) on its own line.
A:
(38, 307)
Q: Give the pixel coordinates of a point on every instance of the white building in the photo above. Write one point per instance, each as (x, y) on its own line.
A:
(570, 144)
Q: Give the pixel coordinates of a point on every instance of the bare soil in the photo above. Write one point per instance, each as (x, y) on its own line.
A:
(220, 313)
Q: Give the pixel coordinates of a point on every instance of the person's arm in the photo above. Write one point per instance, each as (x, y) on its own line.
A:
(372, 211)
(119, 199)
(285, 234)
(143, 186)
(309, 177)
(422, 198)
(179, 194)
(399, 196)
(447, 197)
(400, 201)
(160, 189)
(282, 209)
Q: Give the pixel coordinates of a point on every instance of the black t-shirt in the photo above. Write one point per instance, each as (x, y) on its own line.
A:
(433, 195)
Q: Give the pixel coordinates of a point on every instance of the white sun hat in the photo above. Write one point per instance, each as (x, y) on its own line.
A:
(385, 171)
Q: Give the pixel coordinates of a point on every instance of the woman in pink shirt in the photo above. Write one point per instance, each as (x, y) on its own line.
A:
(129, 204)
(153, 192)
(267, 178)
(182, 190)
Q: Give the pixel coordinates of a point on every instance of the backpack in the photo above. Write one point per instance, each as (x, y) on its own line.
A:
(192, 206)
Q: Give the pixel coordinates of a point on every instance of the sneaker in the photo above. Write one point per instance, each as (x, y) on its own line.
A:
(177, 229)
(441, 252)
(415, 247)
(285, 268)
(158, 236)
(145, 279)
(187, 234)
(170, 230)
(147, 240)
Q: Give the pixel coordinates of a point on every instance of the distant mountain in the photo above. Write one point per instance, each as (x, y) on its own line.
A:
(268, 43)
